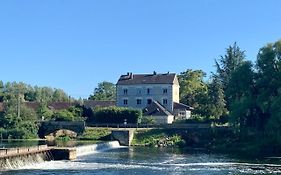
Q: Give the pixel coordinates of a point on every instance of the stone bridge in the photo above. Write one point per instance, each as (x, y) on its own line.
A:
(49, 127)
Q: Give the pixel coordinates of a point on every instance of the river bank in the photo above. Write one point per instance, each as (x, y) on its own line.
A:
(210, 141)
(221, 141)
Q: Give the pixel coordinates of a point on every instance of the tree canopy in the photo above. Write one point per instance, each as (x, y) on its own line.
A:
(104, 91)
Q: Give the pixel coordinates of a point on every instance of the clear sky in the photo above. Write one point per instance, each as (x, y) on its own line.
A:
(75, 44)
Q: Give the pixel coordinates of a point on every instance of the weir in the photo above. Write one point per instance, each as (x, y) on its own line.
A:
(12, 158)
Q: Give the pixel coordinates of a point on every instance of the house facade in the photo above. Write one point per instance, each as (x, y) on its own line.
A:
(142, 90)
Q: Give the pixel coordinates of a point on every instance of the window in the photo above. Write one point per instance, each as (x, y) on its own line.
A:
(149, 101)
(125, 91)
(182, 114)
(125, 101)
(165, 91)
(165, 101)
(148, 91)
(138, 101)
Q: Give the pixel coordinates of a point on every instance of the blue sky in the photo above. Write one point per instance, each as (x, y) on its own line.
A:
(75, 44)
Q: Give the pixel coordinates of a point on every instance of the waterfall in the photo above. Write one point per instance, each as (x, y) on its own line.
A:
(99, 147)
(27, 160)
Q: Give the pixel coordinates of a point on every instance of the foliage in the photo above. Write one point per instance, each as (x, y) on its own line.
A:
(12, 90)
(195, 118)
(206, 98)
(95, 134)
(233, 58)
(71, 114)
(1, 91)
(147, 120)
(63, 115)
(44, 112)
(26, 130)
(193, 89)
(104, 91)
(216, 99)
(268, 82)
(158, 138)
(116, 115)
(240, 95)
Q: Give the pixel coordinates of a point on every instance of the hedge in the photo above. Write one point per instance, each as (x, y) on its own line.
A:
(116, 115)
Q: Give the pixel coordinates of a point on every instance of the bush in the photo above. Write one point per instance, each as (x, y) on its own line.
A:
(148, 120)
(199, 119)
(116, 115)
(158, 138)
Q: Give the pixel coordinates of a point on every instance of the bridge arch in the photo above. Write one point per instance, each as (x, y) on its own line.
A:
(49, 127)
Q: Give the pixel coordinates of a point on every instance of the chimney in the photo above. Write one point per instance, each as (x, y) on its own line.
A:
(131, 75)
(154, 73)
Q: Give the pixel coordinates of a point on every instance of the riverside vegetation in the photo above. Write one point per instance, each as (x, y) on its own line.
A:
(240, 94)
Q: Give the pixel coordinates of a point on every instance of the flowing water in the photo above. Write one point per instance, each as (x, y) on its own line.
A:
(110, 159)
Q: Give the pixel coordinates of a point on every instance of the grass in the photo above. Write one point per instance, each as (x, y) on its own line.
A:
(95, 134)
(157, 137)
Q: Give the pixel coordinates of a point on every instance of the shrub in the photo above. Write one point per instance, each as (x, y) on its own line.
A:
(116, 115)
(148, 120)
(199, 119)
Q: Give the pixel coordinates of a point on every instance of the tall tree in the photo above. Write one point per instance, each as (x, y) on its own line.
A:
(241, 95)
(216, 98)
(193, 91)
(104, 91)
(268, 81)
(1, 91)
(59, 95)
(233, 58)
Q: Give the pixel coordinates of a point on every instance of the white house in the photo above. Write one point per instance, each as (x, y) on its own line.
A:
(147, 91)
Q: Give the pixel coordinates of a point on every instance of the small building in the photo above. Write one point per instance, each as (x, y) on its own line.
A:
(159, 113)
(182, 111)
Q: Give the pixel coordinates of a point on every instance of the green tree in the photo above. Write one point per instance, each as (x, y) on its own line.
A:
(192, 86)
(268, 82)
(242, 98)
(1, 91)
(217, 106)
(104, 91)
(228, 63)
(233, 58)
(59, 96)
(44, 112)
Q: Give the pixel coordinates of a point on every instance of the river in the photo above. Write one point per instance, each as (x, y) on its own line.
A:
(143, 161)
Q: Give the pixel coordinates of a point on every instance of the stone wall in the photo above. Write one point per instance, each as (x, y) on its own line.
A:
(124, 137)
